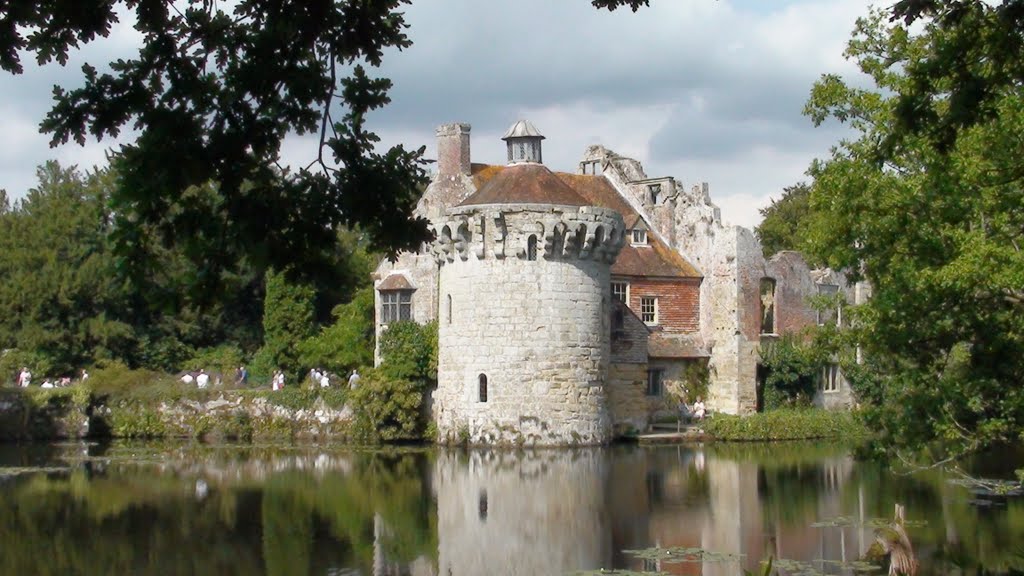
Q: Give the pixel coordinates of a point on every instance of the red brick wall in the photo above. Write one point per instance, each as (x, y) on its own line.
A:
(678, 301)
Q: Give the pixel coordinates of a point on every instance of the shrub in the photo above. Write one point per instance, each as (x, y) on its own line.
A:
(223, 360)
(348, 342)
(409, 352)
(792, 372)
(786, 424)
(387, 410)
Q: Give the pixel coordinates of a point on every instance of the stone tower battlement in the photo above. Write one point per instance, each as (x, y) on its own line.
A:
(529, 231)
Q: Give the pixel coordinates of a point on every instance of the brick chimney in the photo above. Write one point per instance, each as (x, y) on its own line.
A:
(453, 149)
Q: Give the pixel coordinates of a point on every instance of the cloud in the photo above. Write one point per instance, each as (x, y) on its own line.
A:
(704, 90)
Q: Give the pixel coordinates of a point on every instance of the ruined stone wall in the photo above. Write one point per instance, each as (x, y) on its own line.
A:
(536, 331)
(529, 514)
(794, 286)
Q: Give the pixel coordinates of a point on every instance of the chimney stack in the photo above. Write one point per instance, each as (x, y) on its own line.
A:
(453, 150)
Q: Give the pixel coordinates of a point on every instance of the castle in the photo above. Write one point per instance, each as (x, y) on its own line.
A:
(568, 305)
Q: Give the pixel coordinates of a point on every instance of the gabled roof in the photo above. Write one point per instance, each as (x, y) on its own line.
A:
(637, 224)
(525, 184)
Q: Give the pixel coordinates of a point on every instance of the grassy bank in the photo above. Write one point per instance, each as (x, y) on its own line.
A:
(807, 424)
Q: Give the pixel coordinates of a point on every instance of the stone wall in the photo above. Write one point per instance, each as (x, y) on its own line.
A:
(420, 269)
(524, 344)
(238, 415)
(627, 397)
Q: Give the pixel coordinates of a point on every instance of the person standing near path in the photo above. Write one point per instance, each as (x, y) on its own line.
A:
(353, 380)
(203, 379)
(25, 378)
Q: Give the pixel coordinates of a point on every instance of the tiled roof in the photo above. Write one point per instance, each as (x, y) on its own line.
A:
(660, 345)
(396, 282)
(655, 259)
(525, 184)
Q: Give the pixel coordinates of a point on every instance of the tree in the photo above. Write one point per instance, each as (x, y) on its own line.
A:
(347, 343)
(782, 222)
(937, 230)
(287, 321)
(958, 80)
(61, 300)
(214, 89)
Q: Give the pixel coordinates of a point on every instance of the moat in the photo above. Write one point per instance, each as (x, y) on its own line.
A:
(171, 508)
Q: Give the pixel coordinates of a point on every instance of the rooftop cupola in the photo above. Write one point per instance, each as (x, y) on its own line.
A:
(523, 141)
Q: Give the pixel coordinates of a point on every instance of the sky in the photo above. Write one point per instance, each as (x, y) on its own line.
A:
(702, 90)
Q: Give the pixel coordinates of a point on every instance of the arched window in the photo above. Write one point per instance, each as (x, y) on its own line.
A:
(483, 387)
(449, 310)
(531, 247)
(769, 312)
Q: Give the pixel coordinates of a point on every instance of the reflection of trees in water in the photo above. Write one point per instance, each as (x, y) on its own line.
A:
(134, 519)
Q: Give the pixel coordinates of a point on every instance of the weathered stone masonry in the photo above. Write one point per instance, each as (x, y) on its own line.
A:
(523, 332)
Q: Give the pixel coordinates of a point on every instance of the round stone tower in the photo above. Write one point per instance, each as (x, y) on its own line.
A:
(524, 296)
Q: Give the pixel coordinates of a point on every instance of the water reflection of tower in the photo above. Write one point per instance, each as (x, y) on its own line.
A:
(512, 513)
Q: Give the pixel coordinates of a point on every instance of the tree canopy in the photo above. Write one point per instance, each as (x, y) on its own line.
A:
(213, 90)
(936, 226)
(782, 222)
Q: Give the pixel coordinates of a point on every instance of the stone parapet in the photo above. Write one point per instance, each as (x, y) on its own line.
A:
(504, 230)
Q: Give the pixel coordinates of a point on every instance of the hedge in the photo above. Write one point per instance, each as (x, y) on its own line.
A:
(786, 424)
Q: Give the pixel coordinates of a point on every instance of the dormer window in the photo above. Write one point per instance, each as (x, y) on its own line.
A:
(639, 237)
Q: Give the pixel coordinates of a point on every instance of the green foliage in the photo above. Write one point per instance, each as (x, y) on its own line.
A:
(409, 351)
(224, 360)
(937, 229)
(388, 403)
(13, 360)
(224, 120)
(793, 369)
(786, 424)
(346, 344)
(61, 299)
(782, 223)
(387, 409)
(287, 321)
(971, 61)
(131, 421)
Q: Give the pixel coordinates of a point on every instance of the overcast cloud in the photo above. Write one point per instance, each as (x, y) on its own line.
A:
(706, 91)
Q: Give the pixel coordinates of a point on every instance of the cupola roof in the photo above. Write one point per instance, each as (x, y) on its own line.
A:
(522, 129)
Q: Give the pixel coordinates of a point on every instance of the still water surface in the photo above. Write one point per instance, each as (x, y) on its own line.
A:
(147, 508)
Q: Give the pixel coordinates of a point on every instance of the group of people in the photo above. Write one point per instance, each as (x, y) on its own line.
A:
(696, 412)
(318, 378)
(277, 380)
(24, 379)
(202, 379)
